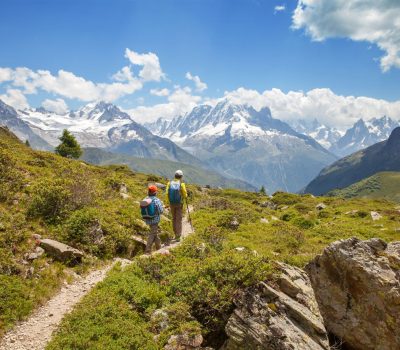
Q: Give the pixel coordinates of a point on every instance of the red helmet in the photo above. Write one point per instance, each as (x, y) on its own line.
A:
(152, 189)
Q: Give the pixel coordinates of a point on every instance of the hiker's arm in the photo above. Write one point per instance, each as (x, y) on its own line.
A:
(166, 194)
(184, 192)
(160, 207)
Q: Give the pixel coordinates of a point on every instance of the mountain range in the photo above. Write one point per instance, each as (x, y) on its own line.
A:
(342, 143)
(234, 140)
(238, 141)
(382, 156)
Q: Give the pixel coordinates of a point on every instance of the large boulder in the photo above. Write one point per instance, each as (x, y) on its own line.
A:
(280, 315)
(357, 285)
(61, 251)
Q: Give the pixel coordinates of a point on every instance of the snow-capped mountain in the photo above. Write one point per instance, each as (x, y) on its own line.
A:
(251, 145)
(364, 134)
(10, 118)
(323, 134)
(101, 125)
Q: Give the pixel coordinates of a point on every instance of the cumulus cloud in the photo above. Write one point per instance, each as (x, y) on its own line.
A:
(15, 98)
(58, 105)
(151, 70)
(322, 104)
(374, 21)
(200, 86)
(180, 102)
(279, 8)
(25, 81)
(159, 92)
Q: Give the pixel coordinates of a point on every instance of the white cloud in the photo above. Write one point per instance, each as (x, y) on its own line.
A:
(58, 106)
(5, 74)
(322, 104)
(200, 86)
(374, 21)
(159, 92)
(180, 102)
(68, 85)
(15, 98)
(151, 70)
(279, 8)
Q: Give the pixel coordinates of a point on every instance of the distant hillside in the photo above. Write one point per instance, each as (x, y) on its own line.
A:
(383, 156)
(165, 168)
(382, 185)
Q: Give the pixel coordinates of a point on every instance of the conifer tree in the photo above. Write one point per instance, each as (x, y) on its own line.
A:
(27, 143)
(262, 190)
(68, 147)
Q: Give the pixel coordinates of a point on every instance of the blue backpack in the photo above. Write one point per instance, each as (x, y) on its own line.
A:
(174, 192)
(148, 208)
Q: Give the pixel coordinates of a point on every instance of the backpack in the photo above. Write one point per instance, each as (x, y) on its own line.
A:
(174, 192)
(148, 208)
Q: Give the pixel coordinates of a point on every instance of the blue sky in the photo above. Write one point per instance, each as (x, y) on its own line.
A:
(227, 43)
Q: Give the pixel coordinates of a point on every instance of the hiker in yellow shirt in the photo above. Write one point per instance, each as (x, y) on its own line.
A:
(176, 195)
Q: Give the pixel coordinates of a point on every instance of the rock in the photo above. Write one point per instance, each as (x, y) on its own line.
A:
(124, 195)
(284, 207)
(185, 342)
(123, 189)
(375, 216)
(36, 237)
(274, 218)
(96, 233)
(61, 251)
(139, 240)
(240, 249)
(282, 317)
(264, 221)
(352, 212)
(357, 285)
(234, 224)
(269, 204)
(35, 255)
(320, 206)
(160, 318)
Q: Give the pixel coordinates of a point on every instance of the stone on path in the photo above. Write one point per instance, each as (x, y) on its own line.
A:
(61, 251)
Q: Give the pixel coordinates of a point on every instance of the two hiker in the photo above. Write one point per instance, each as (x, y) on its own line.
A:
(152, 208)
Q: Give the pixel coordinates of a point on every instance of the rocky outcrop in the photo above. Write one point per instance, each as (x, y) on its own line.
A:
(277, 316)
(185, 342)
(61, 251)
(357, 286)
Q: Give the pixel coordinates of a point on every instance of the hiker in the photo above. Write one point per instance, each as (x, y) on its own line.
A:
(176, 195)
(151, 209)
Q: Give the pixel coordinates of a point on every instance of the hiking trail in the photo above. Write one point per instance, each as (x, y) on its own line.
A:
(37, 330)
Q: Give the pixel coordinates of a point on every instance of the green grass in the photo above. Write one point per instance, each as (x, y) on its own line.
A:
(42, 193)
(381, 185)
(203, 274)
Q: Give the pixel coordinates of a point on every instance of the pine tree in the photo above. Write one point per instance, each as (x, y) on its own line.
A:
(263, 191)
(27, 143)
(68, 147)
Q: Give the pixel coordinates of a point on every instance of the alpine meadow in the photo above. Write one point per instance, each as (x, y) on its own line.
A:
(199, 175)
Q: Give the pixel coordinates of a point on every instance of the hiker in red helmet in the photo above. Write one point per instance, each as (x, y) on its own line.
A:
(176, 195)
(151, 209)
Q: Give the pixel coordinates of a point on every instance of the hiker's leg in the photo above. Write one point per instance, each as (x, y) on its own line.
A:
(150, 239)
(179, 215)
(157, 239)
(173, 213)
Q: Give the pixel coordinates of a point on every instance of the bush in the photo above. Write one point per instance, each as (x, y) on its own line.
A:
(50, 200)
(10, 177)
(303, 223)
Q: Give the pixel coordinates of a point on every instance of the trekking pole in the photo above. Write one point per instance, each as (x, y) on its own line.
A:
(190, 219)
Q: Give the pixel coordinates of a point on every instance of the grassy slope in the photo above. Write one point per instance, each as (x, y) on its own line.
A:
(381, 185)
(42, 193)
(165, 168)
(202, 275)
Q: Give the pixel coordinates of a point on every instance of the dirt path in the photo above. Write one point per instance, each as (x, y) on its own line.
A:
(36, 332)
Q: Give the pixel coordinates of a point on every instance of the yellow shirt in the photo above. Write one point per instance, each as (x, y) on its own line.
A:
(183, 191)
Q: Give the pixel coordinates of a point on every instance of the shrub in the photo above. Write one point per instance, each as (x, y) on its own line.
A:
(10, 177)
(50, 200)
(303, 223)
